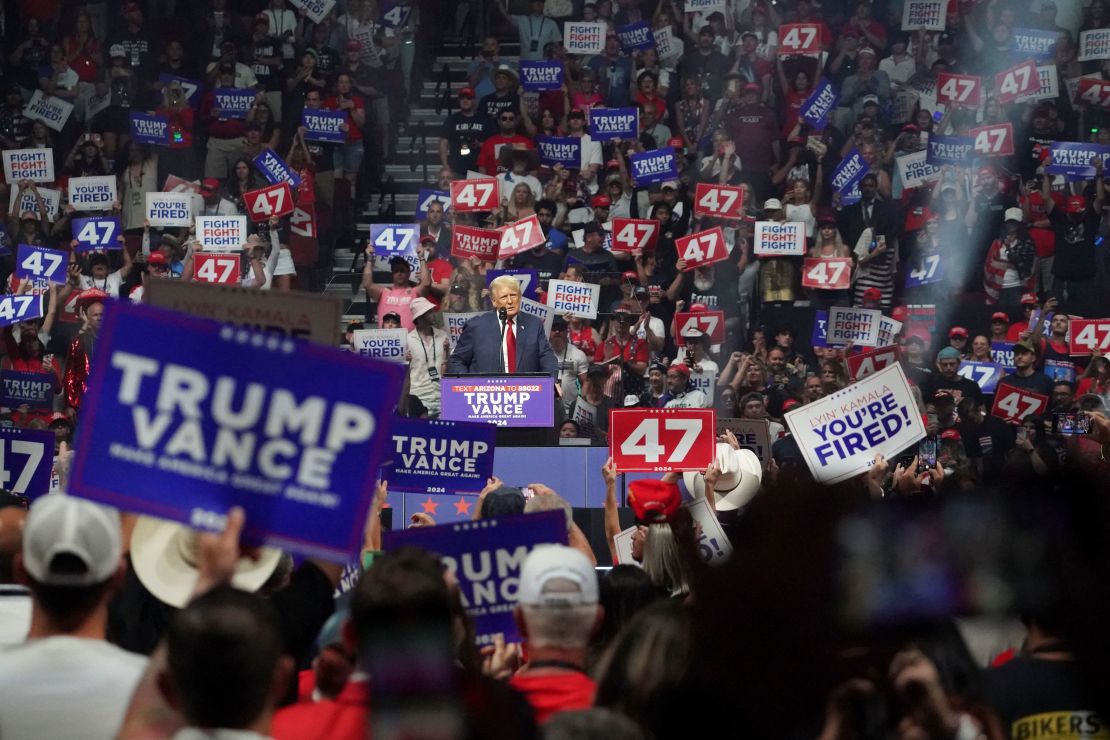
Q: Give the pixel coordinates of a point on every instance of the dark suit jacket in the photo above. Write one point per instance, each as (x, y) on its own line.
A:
(884, 218)
(479, 348)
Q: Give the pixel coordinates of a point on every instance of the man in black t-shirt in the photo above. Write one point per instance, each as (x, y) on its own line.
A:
(462, 136)
(265, 61)
(1025, 374)
(1073, 266)
(947, 379)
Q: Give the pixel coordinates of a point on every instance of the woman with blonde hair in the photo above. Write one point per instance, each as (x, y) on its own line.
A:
(829, 245)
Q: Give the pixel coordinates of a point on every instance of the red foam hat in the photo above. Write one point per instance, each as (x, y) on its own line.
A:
(654, 501)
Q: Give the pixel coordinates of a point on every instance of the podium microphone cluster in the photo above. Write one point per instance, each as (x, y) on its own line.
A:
(503, 316)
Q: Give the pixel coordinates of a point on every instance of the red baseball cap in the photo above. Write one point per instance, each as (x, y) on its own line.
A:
(676, 142)
(1075, 204)
(698, 308)
(157, 258)
(957, 331)
(950, 434)
(629, 275)
(466, 92)
(654, 501)
(1000, 316)
(899, 313)
(601, 200)
(872, 294)
(1029, 298)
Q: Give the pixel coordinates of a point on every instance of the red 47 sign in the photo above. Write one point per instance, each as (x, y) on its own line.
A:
(702, 248)
(662, 440)
(1012, 404)
(965, 90)
(872, 361)
(263, 204)
(479, 194)
(799, 38)
(707, 322)
(1018, 80)
(827, 273)
(1089, 335)
(996, 140)
(719, 201)
(213, 267)
(520, 236)
(1093, 93)
(634, 233)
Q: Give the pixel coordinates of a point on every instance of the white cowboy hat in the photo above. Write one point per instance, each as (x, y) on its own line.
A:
(164, 556)
(741, 474)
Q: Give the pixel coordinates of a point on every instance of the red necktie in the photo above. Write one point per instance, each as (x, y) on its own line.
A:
(510, 346)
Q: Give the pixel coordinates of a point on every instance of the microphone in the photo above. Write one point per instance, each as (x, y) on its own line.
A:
(503, 314)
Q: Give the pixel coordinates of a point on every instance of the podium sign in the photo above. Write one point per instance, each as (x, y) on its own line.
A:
(504, 400)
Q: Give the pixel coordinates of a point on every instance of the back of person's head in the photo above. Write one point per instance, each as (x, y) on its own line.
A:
(625, 590)
(13, 516)
(591, 724)
(558, 598)
(550, 502)
(504, 501)
(663, 562)
(71, 557)
(225, 654)
(406, 583)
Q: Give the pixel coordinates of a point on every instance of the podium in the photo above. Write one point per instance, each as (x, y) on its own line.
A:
(522, 405)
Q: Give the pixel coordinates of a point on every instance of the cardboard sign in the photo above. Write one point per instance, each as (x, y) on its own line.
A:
(17, 308)
(302, 235)
(636, 37)
(381, 344)
(799, 38)
(752, 434)
(996, 140)
(275, 169)
(820, 104)
(41, 263)
(541, 76)
(779, 238)
(658, 165)
(719, 201)
(477, 194)
(1012, 404)
(888, 328)
(92, 193)
(1048, 85)
(51, 199)
(985, 374)
(504, 401)
(426, 197)
(439, 456)
(222, 233)
(192, 89)
(36, 165)
(269, 202)
(854, 326)
(584, 38)
(26, 459)
(564, 150)
(97, 232)
(1093, 93)
(607, 124)
(667, 45)
(52, 111)
(316, 10)
(702, 248)
(580, 299)
(662, 440)
(485, 557)
(394, 240)
(1035, 42)
(1075, 159)
(147, 128)
(870, 362)
(233, 102)
(714, 547)
(622, 547)
(176, 440)
(1094, 44)
(827, 273)
(849, 172)
(29, 389)
(470, 241)
(929, 271)
(223, 269)
(324, 125)
(1020, 79)
(711, 323)
(520, 236)
(454, 323)
(293, 314)
(953, 150)
(630, 234)
(915, 170)
(1089, 335)
(962, 90)
(924, 15)
(169, 209)
(541, 311)
(704, 6)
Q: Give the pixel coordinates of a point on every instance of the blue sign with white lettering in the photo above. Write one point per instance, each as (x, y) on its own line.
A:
(820, 334)
(396, 15)
(564, 150)
(607, 124)
(96, 232)
(275, 169)
(437, 456)
(233, 102)
(485, 557)
(223, 416)
(636, 36)
(953, 150)
(821, 102)
(849, 172)
(41, 263)
(26, 458)
(426, 197)
(29, 389)
(658, 165)
(1003, 354)
(541, 76)
(528, 279)
(147, 128)
(16, 308)
(1075, 160)
(324, 125)
(394, 240)
(985, 374)
(930, 270)
(1033, 42)
(193, 90)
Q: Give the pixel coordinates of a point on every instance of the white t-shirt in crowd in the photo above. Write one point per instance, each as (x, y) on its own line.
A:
(65, 688)
(15, 614)
(572, 363)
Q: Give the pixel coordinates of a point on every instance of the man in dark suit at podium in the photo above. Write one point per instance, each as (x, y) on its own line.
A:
(525, 348)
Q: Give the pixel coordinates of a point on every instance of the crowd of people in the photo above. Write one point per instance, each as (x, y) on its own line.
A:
(113, 625)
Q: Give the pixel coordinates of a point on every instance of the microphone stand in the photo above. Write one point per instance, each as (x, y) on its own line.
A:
(503, 316)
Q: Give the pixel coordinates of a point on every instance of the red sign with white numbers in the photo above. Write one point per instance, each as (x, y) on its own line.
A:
(719, 201)
(1020, 79)
(212, 267)
(996, 140)
(479, 194)
(266, 203)
(662, 440)
(520, 236)
(702, 248)
(872, 361)
(1089, 335)
(966, 90)
(630, 234)
(1093, 93)
(799, 38)
(707, 322)
(1012, 404)
(827, 273)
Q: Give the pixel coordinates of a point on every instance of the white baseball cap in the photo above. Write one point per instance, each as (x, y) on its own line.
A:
(741, 475)
(557, 575)
(772, 204)
(60, 525)
(1013, 214)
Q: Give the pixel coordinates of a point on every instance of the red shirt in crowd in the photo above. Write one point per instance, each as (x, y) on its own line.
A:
(491, 147)
(220, 128)
(354, 133)
(347, 716)
(551, 693)
(635, 350)
(181, 126)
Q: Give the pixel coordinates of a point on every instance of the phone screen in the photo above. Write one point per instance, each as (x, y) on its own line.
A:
(1071, 423)
(927, 453)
